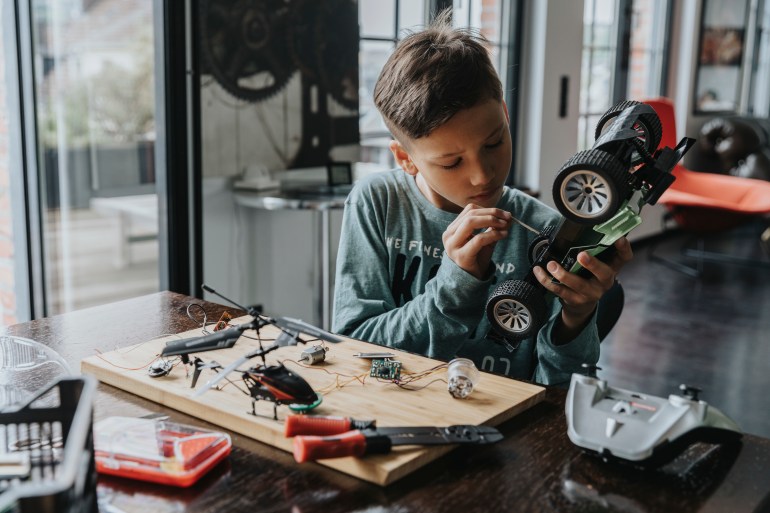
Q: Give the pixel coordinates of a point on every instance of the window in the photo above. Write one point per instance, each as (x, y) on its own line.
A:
(95, 122)
(624, 57)
(384, 22)
(8, 250)
(720, 56)
(759, 95)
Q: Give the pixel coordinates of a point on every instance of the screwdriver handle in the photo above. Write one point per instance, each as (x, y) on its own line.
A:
(321, 425)
(352, 443)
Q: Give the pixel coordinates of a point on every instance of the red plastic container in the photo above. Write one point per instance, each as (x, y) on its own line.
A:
(157, 450)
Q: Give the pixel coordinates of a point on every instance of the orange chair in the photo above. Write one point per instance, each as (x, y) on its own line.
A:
(705, 202)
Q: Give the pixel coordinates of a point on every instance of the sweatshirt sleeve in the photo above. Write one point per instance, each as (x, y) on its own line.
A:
(556, 364)
(434, 323)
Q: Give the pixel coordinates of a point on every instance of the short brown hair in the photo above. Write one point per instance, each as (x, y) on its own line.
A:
(432, 75)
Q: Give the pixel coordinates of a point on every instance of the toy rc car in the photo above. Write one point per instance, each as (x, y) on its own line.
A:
(600, 193)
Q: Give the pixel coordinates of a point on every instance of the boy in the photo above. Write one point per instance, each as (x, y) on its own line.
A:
(422, 247)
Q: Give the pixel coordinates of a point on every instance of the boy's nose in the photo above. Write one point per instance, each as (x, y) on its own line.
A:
(482, 174)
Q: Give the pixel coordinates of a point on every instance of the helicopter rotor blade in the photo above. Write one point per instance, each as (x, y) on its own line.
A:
(230, 368)
(221, 376)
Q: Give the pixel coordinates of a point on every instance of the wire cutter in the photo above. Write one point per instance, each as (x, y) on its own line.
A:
(319, 437)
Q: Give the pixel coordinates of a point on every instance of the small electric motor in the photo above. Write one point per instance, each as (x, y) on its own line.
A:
(313, 355)
(462, 377)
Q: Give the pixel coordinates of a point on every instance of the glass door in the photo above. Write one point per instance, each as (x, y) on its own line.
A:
(94, 112)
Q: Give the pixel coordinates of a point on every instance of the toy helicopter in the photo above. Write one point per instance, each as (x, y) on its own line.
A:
(600, 192)
(272, 383)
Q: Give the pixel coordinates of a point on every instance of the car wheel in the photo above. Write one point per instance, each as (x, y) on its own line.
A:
(539, 244)
(648, 126)
(590, 187)
(516, 309)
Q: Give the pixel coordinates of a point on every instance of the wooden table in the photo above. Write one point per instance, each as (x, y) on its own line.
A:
(536, 467)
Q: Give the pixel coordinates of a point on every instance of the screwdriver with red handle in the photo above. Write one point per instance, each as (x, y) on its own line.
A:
(319, 437)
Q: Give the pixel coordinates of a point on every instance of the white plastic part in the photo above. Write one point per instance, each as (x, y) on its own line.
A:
(26, 367)
(462, 377)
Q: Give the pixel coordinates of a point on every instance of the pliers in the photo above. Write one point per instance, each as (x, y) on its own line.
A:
(320, 437)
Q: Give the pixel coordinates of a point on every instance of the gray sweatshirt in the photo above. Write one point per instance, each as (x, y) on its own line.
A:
(396, 287)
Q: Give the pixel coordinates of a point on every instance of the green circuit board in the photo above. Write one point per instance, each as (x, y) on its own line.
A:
(385, 369)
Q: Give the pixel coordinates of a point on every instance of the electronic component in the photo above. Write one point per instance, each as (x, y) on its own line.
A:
(160, 367)
(313, 355)
(374, 355)
(386, 369)
(462, 376)
(222, 322)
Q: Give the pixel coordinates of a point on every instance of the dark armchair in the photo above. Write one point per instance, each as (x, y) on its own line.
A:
(734, 145)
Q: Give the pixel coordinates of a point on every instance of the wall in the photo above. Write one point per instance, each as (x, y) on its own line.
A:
(553, 32)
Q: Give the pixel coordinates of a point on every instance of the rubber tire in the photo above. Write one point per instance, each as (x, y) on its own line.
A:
(650, 124)
(527, 299)
(609, 169)
(537, 244)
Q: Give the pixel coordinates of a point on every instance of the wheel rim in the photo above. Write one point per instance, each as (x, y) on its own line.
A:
(586, 193)
(512, 316)
(538, 249)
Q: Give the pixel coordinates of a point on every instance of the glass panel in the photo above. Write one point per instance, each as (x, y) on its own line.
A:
(7, 251)
(373, 54)
(484, 15)
(411, 15)
(646, 53)
(720, 56)
(759, 101)
(461, 13)
(585, 79)
(377, 18)
(603, 20)
(489, 20)
(274, 113)
(94, 88)
(374, 134)
(599, 91)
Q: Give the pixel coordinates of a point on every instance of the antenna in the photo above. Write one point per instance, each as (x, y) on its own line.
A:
(251, 311)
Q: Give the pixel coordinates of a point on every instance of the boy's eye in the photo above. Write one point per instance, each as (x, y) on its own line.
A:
(452, 166)
(494, 145)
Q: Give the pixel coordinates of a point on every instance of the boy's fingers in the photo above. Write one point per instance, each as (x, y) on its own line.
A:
(604, 273)
(571, 281)
(485, 239)
(624, 253)
(475, 221)
(558, 289)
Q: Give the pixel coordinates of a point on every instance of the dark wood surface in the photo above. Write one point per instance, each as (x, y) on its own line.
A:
(535, 468)
(712, 332)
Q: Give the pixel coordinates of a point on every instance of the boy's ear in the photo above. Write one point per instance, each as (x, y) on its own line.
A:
(402, 158)
(505, 111)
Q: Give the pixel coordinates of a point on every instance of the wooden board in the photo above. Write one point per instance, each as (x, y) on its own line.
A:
(495, 399)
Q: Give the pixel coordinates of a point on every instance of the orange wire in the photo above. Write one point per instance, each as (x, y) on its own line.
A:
(99, 355)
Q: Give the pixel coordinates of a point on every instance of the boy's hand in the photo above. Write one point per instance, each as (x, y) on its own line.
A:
(470, 239)
(578, 295)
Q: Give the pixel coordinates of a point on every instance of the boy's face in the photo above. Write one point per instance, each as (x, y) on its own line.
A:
(466, 160)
